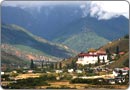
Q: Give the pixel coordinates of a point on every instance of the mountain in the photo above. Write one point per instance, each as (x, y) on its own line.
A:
(123, 44)
(122, 61)
(54, 21)
(24, 41)
(61, 23)
(44, 22)
(12, 61)
(85, 40)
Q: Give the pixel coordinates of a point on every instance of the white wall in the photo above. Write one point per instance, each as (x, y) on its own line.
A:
(91, 59)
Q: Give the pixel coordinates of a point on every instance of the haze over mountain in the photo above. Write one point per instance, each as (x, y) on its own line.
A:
(65, 24)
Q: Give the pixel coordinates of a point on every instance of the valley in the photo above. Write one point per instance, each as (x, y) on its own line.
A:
(65, 46)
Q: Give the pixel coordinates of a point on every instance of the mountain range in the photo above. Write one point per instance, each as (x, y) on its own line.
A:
(25, 41)
(66, 25)
(56, 32)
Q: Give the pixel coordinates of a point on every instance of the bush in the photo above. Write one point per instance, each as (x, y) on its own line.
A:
(90, 74)
(62, 87)
(50, 77)
(126, 36)
(98, 81)
(67, 77)
(80, 80)
(28, 83)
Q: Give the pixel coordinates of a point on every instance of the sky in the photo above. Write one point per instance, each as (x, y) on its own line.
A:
(99, 9)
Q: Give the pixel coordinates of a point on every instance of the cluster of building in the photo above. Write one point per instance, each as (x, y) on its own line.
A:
(92, 57)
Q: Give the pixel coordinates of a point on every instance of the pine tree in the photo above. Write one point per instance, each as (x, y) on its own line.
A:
(103, 60)
(98, 60)
(56, 65)
(42, 63)
(117, 49)
(32, 64)
(60, 65)
(90, 65)
(52, 65)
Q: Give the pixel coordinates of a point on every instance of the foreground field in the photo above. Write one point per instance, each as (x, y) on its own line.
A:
(66, 84)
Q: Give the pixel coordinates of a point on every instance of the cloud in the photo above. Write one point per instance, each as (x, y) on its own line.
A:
(39, 3)
(85, 9)
(109, 9)
(99, 9)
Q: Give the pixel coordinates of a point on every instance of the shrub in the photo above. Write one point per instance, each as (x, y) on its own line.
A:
(28, 83)
(98, 81)
(80, 80)
(50, 77)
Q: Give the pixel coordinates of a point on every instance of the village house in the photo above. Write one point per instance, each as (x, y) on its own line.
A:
(92, 57)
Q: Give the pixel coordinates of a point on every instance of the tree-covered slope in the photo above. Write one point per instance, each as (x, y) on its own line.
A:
(85, 40)
(53, 21)
(22, 39)
(123, 44)
(12, 61)
(122, 61)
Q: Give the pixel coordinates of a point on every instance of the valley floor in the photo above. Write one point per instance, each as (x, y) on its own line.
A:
(82, 86)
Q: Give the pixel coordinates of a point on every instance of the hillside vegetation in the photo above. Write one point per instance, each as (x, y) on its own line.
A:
(122, 61)
(12, 61)
(123, 44)
(85, 40)
(63, 25)
(25, 41)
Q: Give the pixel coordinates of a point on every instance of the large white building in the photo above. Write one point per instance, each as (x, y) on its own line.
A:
(92, 57)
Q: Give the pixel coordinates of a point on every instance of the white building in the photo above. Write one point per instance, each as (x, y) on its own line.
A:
(92, 57)
(70, 70)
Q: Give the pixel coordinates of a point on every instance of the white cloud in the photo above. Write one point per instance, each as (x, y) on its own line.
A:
(38, 3)
(109, 9)
(99, 9)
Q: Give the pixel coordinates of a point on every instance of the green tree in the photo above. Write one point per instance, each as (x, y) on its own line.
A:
(103, 60)
(117, 49)
(120, 73)
(90, 65)
(32, 64)
(56, 65)
(107, 51)
(74, 65)
(67, 66)
(42, 63)
(60, 65)
(98, 60)
(52, 66)
(109, 57)
(126, 36)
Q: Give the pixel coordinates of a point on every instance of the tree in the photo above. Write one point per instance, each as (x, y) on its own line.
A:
(107, 51)
(60, 65)
(52, 65)
(103, 60)
(98, 60)
(67, 66)
(56, 65)
(73, 65)
(120, 73)
(117, 49)
(126, 36)
(32, 64)
(90, 65)
(109, 57)
(42, 63)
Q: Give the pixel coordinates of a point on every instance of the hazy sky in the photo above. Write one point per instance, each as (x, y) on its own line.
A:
(100, 9)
